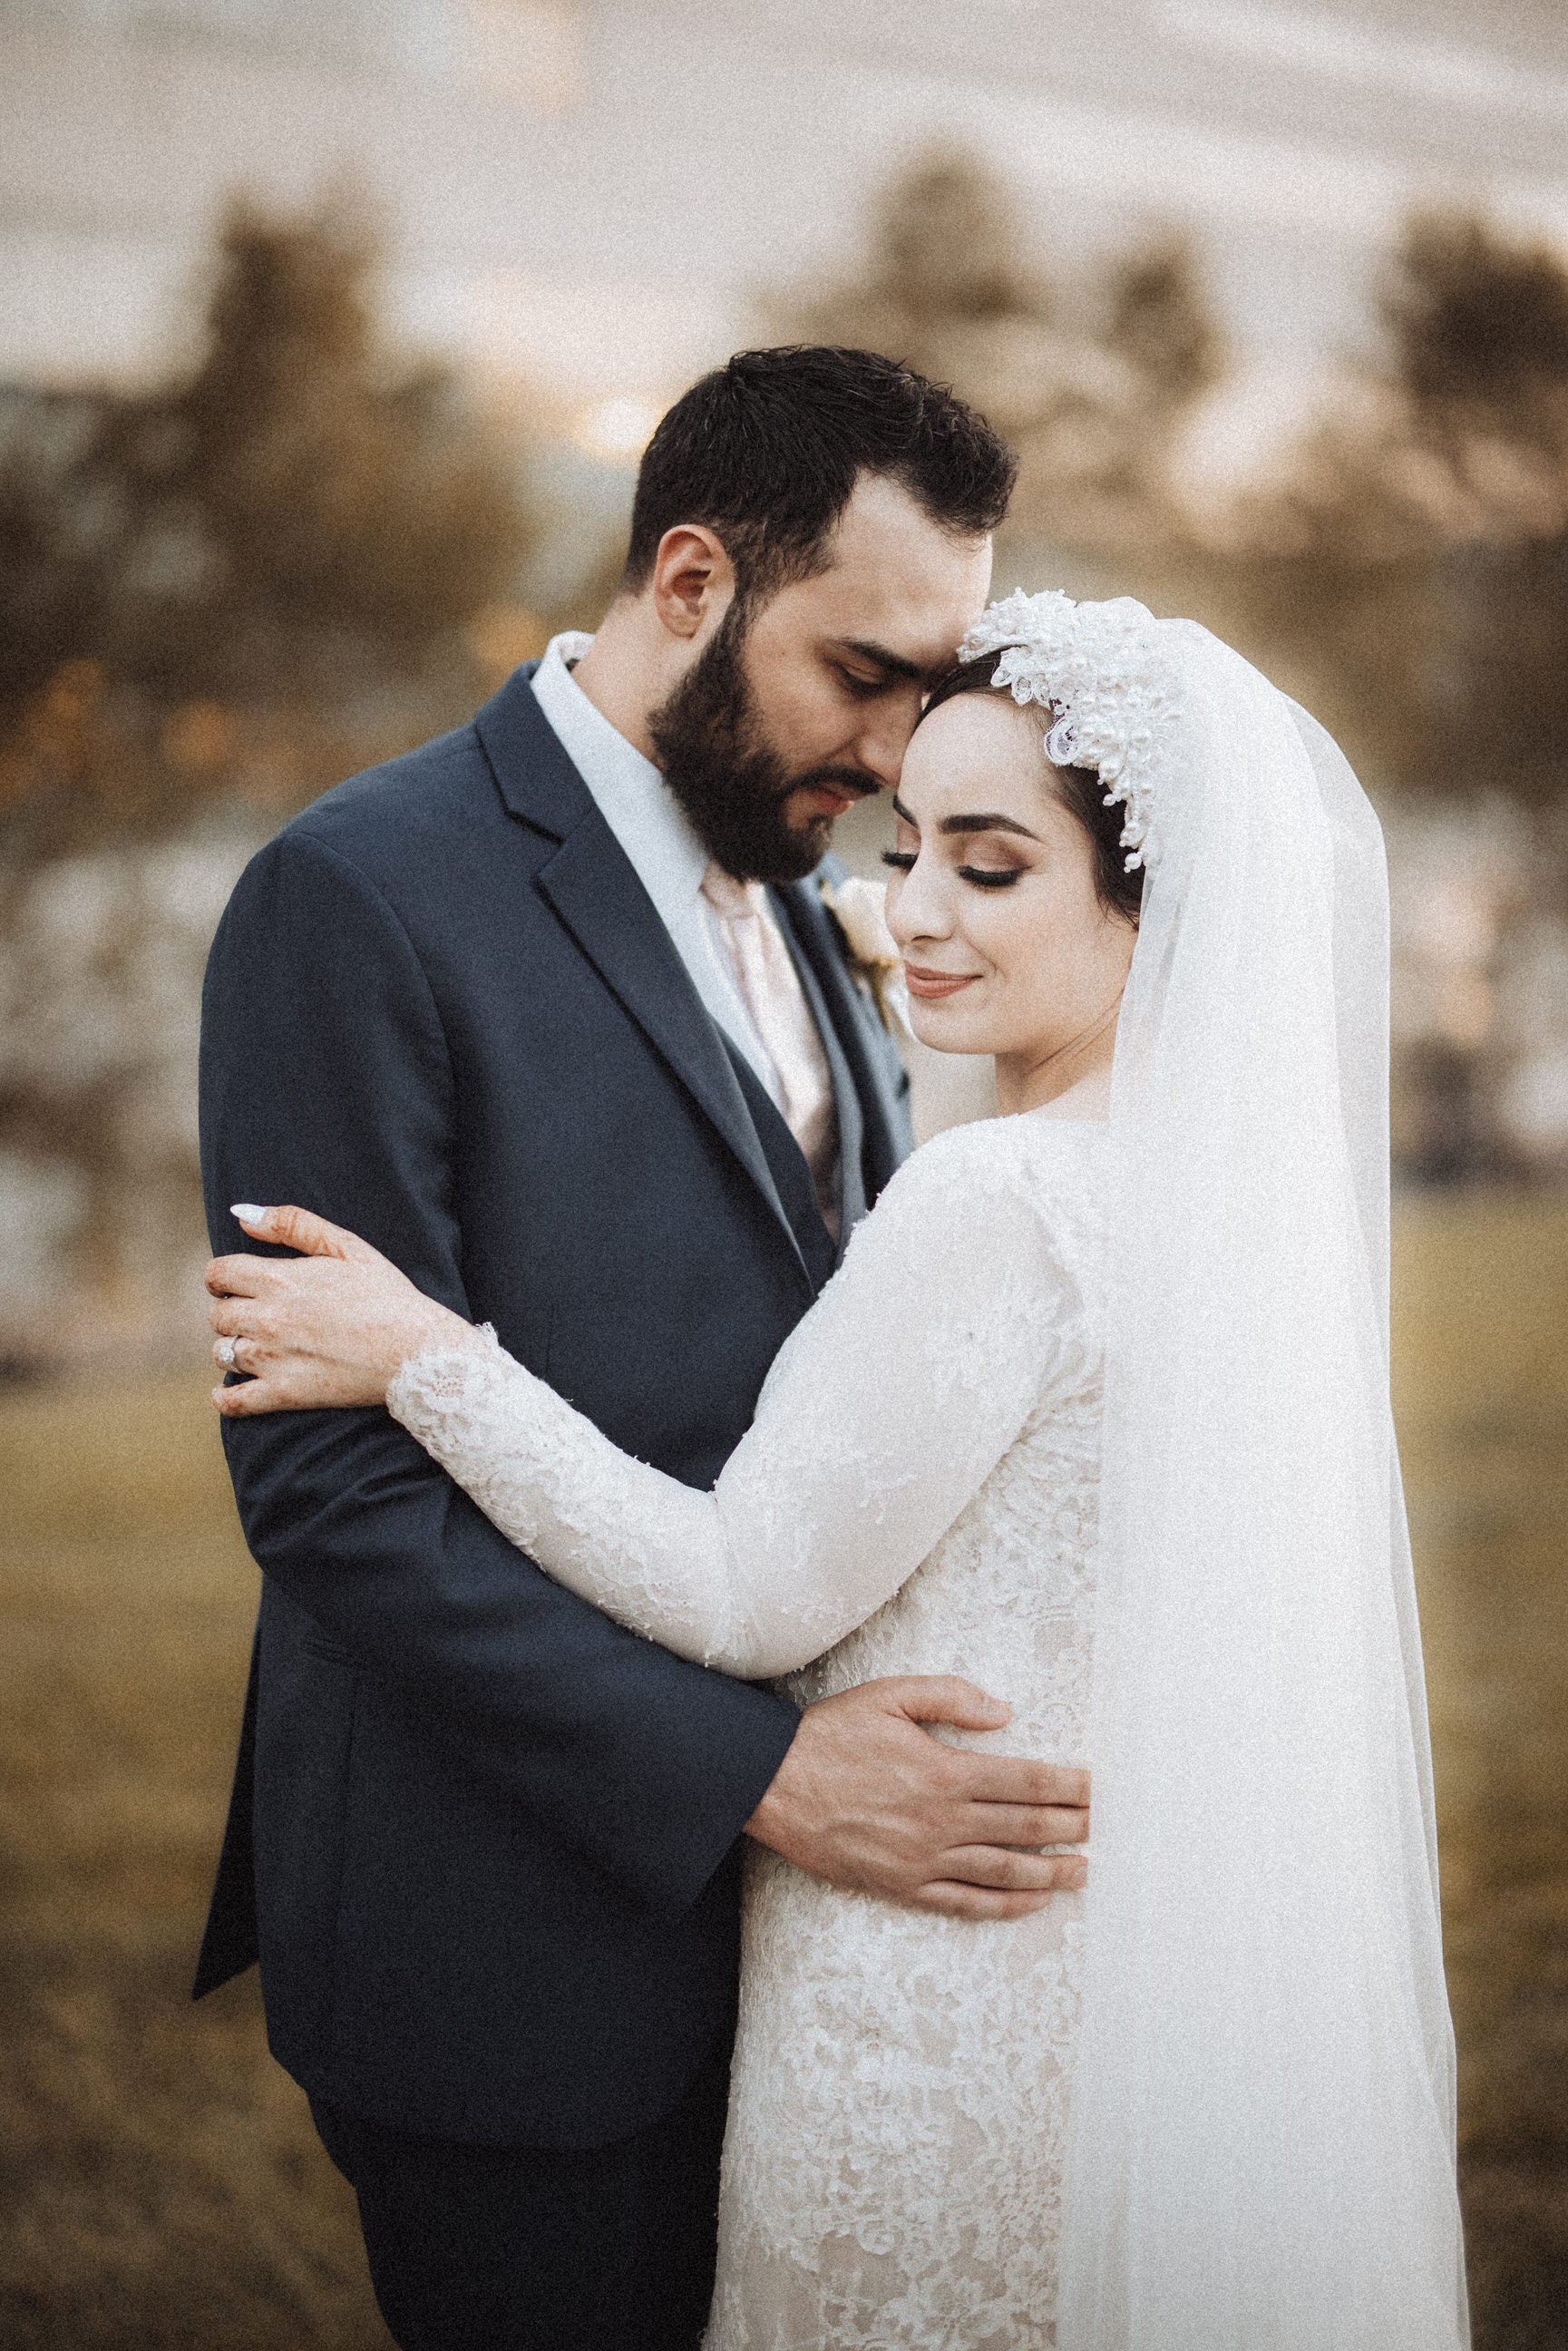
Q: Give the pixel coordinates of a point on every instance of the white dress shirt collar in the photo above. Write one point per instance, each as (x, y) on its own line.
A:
(633, 797)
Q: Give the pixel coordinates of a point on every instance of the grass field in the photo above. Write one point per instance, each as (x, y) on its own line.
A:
(1482, 1392)
(160, 2184)
(160, 2181)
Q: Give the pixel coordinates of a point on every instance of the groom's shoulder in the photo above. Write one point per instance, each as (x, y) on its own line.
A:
(402, 809)
(440, 816)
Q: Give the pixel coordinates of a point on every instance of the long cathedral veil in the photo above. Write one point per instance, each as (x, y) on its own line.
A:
(1261, 2152)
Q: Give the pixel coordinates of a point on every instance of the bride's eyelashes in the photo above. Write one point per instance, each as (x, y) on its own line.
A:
(993, 877)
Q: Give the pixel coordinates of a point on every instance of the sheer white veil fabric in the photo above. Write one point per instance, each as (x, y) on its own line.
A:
(1261, 2154)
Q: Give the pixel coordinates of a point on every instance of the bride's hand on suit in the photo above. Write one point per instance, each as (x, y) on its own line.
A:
(328, 1327)
(865, 1798)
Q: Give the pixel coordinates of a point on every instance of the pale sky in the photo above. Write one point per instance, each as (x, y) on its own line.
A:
(590, 195)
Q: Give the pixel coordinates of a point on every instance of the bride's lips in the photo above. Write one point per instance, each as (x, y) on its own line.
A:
(931, 984)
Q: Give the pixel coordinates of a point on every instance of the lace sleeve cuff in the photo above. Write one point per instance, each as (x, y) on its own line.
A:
(428, 1390)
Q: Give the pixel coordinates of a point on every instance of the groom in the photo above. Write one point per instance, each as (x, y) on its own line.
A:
(517, 1008)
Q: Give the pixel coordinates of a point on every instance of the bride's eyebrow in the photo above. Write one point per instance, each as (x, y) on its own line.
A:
(982, 822)
(985, 822)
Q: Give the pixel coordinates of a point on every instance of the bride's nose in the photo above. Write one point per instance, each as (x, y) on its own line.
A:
(918, 907)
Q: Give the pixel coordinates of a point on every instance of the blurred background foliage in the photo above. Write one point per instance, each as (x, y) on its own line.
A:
(304, 549)
(1404, 567)
(221, 586)
(217, 597)
(1091, 387)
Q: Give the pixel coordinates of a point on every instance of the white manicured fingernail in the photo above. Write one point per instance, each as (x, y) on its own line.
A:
(245, 1212)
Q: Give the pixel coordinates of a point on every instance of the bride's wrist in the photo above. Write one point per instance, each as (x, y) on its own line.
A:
(433, 1329)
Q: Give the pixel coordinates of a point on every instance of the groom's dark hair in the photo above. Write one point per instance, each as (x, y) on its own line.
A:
(766, 452)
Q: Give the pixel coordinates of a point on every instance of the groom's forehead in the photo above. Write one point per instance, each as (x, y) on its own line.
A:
(896, 578)
(883, 522)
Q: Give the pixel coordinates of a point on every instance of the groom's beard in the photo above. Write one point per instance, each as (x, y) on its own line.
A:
(732, 784)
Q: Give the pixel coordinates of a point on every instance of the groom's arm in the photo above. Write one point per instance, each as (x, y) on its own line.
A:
(326, 1080)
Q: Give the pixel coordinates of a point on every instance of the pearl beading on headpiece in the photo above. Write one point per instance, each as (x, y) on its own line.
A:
(1102, 667)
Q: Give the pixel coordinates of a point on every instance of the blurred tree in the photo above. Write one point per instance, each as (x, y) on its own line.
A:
(301, 525)
(944, 287)
(947, 286)
(1409, 582)
(1162, 326)
(297, 556)
(943, 254)
(344, 504)
(1480, 327)
(1413, 569)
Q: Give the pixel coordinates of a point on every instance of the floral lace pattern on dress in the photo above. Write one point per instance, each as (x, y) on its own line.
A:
(919, 1495)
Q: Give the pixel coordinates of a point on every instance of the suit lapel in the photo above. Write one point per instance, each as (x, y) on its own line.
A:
(797, 1187)
(846, 1097)
(594, 891)
(874, 1074)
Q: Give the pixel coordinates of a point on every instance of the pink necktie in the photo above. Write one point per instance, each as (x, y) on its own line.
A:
(771, 991)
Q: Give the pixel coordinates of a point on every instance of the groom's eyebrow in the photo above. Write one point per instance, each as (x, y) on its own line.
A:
(895, 665)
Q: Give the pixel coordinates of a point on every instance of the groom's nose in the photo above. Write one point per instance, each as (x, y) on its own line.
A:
(883, 738)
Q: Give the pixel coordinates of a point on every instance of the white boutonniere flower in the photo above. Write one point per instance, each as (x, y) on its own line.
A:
(859, 910)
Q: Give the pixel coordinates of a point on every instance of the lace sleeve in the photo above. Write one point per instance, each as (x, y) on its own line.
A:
(885, 1412)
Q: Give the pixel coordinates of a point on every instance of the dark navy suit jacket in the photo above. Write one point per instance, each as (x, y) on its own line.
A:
(483, 1841)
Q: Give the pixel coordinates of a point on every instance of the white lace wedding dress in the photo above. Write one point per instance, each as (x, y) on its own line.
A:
(919, 1495)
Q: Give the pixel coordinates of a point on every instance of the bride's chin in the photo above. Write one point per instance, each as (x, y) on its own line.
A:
(945, 1030)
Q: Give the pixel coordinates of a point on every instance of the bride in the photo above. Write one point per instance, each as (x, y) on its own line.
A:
(1097, 1414)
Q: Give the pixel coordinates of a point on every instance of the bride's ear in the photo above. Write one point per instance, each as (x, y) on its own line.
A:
(302, 1229)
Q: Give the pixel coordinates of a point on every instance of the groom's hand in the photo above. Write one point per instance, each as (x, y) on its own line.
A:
(867, 1798)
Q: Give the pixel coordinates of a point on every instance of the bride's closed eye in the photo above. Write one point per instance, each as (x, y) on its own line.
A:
(984, 877)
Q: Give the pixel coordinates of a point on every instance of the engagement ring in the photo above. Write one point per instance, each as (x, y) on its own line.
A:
(224, 1352)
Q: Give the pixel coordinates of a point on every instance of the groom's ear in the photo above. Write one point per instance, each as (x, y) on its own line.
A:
(693, 579)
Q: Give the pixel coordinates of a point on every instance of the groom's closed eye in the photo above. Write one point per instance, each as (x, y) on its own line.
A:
(866, 669)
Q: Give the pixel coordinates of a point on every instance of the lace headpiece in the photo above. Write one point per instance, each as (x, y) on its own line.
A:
(1115, 688)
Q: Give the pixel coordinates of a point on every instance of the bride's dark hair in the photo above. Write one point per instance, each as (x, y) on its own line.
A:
(1078, 789)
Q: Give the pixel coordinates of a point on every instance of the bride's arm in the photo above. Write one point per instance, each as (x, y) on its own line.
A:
(889, 1406)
